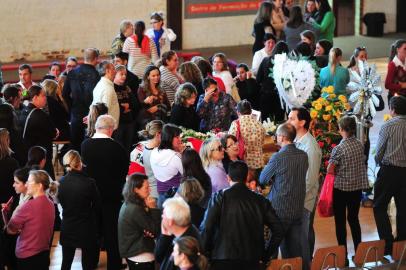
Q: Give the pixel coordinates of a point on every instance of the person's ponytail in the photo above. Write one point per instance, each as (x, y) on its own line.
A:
(202, 262)
(394, 48)
(333, 59)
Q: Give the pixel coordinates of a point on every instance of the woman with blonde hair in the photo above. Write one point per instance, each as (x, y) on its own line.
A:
(7, 167)
(335, 74)
(187, 254)
(183, 111)
(80, 200)
(56, 108)
(126, 30)
(141, 155)
(95, 111)
(34, 221)
(212, 154)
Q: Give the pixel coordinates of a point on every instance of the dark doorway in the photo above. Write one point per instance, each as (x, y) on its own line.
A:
(174, 21)
(400, 16)
(344, 11)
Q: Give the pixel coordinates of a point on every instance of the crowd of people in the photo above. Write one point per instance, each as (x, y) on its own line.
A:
(133, 188)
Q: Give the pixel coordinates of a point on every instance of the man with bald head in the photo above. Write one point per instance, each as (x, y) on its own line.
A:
(78, 93)
(286, 172)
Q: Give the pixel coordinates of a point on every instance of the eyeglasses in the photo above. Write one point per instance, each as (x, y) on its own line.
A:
(219, 148)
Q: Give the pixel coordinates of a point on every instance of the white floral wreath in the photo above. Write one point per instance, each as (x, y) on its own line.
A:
(294, 79)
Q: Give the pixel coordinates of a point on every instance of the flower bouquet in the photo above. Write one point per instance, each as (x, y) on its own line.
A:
(325, 112)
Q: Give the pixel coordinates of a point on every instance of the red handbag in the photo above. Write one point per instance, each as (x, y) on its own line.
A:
(325, 205)
(241, 145)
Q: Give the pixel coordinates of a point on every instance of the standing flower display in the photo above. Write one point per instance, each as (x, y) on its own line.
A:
(325, 112)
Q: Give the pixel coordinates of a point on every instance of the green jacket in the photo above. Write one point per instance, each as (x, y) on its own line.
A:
(327, 26)
(132, 221)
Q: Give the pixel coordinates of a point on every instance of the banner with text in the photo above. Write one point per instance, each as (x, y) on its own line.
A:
(219, 8)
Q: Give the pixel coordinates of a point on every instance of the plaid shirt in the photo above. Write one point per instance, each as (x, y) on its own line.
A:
(391, 147)
(349, 159)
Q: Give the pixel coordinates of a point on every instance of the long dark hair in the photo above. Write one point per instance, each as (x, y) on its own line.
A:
(324, 7)
(146, 82)
(193, 167)
(139, 28)
(264, 13)
(394, 48)
(353, 60)
(169, 131)
(136, 180)
(295, 17)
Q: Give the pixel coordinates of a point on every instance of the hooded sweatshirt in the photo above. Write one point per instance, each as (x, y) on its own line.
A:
(167, 167)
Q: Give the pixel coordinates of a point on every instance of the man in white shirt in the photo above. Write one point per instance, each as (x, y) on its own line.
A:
(25, 76)
(269, 42)
(104, 91)
(300, 119)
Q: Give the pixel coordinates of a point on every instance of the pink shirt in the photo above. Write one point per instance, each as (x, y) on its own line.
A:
(35, 220)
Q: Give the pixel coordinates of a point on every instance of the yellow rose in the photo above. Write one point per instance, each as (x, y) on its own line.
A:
(338, 114)
(330, 89)
(329, 108)
(387, 117)
(326, 117)
(318, 106)
(313, 114)
(314, 103)
(332, 95)
(342, 98)
(347, 106)
(320, 99)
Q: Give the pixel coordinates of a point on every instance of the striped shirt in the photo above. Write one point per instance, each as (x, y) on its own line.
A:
(169, 83)
(137, 61)
(286, 171)
(391, 147)
(349, 159)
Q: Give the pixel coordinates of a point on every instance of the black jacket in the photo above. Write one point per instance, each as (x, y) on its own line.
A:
(164, 248)
(233, 226)
(78, 89)
(80, 200)
(185, 117)
(107, 162)
(39, 129)
(59, 117)
(249, 90)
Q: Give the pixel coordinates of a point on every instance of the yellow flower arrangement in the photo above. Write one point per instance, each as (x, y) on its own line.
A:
(329, 107)
(326, 117)
(313, 114)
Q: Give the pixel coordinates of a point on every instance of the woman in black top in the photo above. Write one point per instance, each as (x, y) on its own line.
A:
(38, 128)
(269, 104)
(230, 145)
(193, 167)
(57, 110)
(192, 74)
(128, 109)
(80, 200)
(7, 167)
(183, 111)
(262, 25)
(192, 192)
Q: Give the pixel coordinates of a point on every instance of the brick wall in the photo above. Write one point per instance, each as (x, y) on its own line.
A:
(35, 30)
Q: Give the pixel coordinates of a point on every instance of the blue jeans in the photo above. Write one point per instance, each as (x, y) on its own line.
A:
(291, 245)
